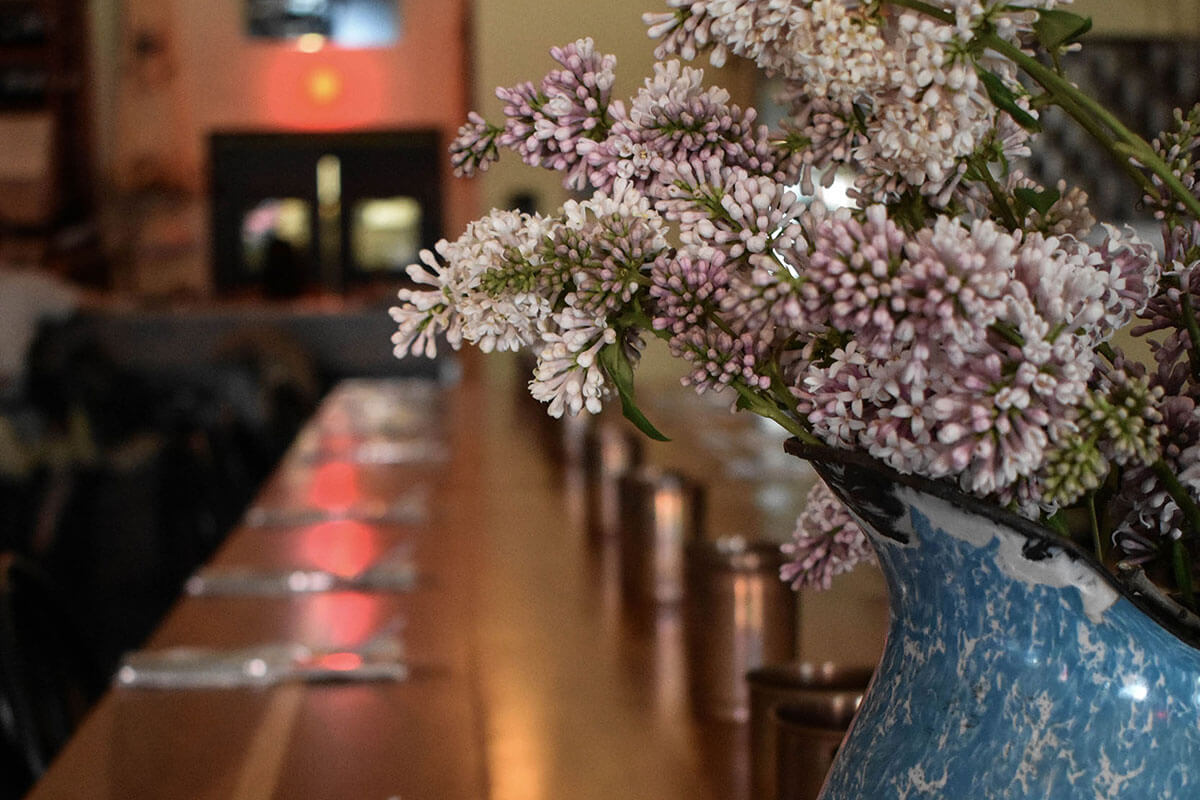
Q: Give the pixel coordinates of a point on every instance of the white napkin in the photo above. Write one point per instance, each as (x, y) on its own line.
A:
(260, 665)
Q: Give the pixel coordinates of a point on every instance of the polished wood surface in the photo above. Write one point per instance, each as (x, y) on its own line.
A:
(531, 679)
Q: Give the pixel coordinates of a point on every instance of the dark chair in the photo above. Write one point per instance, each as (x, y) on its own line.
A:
(47, 676)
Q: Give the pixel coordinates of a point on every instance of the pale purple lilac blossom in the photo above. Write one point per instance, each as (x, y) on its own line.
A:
(826, 542)
(930, 382)
(674, 119)
(545, 125)
(688, 289)
(891, 93)
(1151, 517)
(963, 350)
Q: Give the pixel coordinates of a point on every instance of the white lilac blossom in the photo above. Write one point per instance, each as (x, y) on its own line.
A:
(518, 280)
(603, 245)
(897, 96)
(568, 377)
(933, 118)
(726, 208)
(955, 324)
(477, 296)
(782, 34)
(826, 542)
(424, 314)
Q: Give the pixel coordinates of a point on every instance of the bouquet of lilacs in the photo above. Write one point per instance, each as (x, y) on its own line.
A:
(955, 323)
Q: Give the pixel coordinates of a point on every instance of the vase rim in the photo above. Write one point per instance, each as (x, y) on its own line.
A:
(947, 490)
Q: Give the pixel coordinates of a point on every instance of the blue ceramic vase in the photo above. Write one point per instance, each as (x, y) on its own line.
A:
(1015, 666)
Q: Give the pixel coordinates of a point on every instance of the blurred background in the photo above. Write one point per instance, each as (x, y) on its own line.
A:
(206, 207)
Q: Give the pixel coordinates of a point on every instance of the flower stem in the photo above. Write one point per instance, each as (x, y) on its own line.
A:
(926, 9)
(1182, 566)
(1003, 206)
(1094, 522)
(1125, 145)
(755, 403)
(1180, 560)
(1181, 496)
(1193, 330)
(1128, 147)
(1008, 333)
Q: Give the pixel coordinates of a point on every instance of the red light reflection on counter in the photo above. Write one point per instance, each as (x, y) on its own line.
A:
(334, 486)
(340, 662)
(344, 547)
(342, 619)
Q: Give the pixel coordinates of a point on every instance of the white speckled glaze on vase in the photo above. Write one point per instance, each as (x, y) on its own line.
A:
(1015, 667)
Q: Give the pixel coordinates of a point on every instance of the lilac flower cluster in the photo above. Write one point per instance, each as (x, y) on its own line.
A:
(674, 120)
(893, 93)
(955, 324)
(571, 124)
(826, 542)
(554, 284)
(546, 123)
(1151, 518)
(1179, 147)
(970, 351)
(499, 317)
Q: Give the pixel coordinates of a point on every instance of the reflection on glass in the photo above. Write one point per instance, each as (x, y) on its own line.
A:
(345, 23)
(386, 233)
(273, 221)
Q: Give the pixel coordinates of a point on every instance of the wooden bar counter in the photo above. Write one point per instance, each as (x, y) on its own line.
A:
(529, 679)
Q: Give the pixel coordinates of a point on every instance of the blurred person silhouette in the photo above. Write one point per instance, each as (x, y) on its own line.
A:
(283, 269)
(30, 298)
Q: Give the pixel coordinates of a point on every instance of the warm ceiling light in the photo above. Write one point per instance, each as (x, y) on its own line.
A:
(324, 85)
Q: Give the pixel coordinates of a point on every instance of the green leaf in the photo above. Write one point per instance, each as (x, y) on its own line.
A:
(1056, 29)
(1004, 99)
(1057, 522)
(616, 364)
(1039, 201)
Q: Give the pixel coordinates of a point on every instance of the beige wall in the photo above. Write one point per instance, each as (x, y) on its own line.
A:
(1171, 18)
